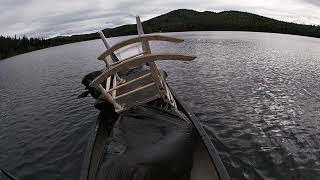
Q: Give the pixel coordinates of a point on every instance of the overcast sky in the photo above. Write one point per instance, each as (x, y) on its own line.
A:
(48, 18)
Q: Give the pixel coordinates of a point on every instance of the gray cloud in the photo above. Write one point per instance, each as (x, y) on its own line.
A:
(45, 18)
(314, 2)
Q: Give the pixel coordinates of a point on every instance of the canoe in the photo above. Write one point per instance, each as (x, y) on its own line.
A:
(144, 130)
(5, 175)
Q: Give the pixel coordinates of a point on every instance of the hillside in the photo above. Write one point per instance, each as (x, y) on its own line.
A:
(189, 20)
(174, 21)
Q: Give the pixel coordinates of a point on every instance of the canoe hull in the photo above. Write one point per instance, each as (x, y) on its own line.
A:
(207, 164)
(206, 158)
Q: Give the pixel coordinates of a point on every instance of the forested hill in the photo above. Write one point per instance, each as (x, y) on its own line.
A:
(189, 20)
(174, 21)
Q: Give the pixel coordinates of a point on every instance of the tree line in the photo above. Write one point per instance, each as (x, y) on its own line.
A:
(174, 21)
(11, 46)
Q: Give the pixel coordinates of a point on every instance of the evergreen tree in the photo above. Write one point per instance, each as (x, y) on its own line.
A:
(178, 20)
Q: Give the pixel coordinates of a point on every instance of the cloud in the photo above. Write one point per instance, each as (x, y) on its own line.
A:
(314, 2)
(46, 18)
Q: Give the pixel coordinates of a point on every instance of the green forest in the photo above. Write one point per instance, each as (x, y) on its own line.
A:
(174, 21)
(11, 46)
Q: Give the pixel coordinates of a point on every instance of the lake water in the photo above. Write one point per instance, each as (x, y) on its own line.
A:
(257, 94)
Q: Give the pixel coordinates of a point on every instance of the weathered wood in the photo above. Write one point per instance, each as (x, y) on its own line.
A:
(140, 30)
(139, 26)
(107, 63)
(129, 82)
(136, 40)
(108, 82)
(153, 67)
(114, 58)
(114, 84)
(136, 55)
(138, 88)
(141, 96)
(109, 97)
(104, 40)
(157, 79)
(134, 91)
(137, 61)
(117, 76)
(170, 96)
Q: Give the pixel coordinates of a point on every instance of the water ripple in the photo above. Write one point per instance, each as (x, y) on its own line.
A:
(257, 95)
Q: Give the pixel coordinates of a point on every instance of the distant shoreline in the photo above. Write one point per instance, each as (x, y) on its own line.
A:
(175, 21)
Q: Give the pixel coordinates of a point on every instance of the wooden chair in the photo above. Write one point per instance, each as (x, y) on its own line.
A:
(138, 88)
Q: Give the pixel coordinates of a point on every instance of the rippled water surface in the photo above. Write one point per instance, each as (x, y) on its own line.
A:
(257, 94)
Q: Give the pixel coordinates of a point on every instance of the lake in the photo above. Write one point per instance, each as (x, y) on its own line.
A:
(257, 95)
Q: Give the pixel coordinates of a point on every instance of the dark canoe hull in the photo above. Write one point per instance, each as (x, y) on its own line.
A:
(5, 175)
(207, 163)
(206, 148)
(95, 149)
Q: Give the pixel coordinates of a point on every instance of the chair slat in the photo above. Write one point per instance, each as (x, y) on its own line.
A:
(134, 91)
(123, 65)
(141, 38)
(129, 82)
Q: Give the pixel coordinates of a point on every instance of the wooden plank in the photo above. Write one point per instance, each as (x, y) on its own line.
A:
(170, 96)
(136, 40)
(106, 44)
(104, 39)
(114, 85)
(139, 26)
(140, 30)
(156, 78)
(141, 96)
(129, 82)
(108, 82)
(136, 55)
(134, 91)
(109, 97)
(137, 61)
(107, 63)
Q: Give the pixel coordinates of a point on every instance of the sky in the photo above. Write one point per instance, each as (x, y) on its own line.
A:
(50, 18)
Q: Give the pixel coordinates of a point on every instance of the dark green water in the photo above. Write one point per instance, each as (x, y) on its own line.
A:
(257, 95)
